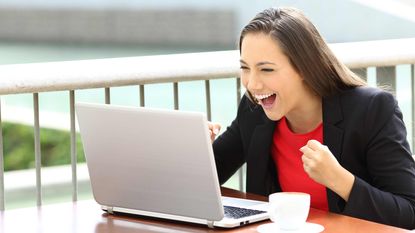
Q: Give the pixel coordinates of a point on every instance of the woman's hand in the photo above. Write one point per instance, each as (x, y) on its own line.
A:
(321, 166)
(214, 129)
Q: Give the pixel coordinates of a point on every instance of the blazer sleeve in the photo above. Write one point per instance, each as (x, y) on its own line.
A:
(389, 195)
(228, 148)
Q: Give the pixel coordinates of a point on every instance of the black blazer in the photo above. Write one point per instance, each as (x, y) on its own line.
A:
(364, 130)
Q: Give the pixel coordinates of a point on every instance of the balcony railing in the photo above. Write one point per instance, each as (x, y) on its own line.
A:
(380, 57)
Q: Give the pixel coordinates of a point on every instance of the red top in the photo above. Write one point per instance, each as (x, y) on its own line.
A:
(287, 157)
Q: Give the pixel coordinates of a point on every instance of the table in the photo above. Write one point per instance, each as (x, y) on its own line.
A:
(86, 216)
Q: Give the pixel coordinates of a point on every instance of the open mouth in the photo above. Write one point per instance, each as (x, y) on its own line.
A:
(266, 100)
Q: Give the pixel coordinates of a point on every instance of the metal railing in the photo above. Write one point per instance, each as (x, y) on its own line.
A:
(106, 73)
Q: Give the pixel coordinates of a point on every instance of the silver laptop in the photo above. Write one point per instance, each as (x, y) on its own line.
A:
(158, 163)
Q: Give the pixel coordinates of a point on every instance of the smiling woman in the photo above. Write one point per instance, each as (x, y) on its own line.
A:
(309, 124)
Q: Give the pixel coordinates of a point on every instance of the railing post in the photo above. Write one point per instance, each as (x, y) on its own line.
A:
(386, 77)
(176, 95)
(1, 165)
(208, 106)
(38, 157)
(107, 95)
(73, 146)
(241, 170)
(361, 72)
(142, 96)
(413, 106)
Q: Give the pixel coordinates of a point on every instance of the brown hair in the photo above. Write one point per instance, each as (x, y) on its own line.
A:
(305, 48)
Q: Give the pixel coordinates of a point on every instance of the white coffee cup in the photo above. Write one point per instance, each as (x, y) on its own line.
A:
(289, 210)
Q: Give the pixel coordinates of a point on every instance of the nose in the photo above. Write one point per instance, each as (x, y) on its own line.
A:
(253, 82)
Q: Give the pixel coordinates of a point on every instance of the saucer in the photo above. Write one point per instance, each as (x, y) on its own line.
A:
(273, 227)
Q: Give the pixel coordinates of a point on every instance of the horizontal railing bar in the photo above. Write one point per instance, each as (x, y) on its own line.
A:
(101, 73)
(375, 53)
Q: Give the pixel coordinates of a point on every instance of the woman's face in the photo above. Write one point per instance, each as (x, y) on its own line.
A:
(268, 75)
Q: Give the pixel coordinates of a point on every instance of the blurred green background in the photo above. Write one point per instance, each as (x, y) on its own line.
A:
(19, 150)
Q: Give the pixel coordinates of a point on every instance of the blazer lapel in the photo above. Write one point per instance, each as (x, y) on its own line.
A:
(333, 138)
(332, 133)
(258, 160)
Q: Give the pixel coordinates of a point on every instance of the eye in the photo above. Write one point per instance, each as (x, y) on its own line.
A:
(244, 68)
(267, 69)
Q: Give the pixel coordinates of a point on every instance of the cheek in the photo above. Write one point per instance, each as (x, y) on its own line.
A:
(244, 80)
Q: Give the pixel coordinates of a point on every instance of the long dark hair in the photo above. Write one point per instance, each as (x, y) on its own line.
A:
(306, 49)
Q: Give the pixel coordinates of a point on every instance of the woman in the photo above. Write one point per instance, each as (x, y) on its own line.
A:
(308, 124)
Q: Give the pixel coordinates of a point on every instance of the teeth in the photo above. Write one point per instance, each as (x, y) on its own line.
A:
(260, 97)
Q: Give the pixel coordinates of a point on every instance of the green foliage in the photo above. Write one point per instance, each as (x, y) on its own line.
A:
(19, 152)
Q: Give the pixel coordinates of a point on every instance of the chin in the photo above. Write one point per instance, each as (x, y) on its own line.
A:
(273, 117)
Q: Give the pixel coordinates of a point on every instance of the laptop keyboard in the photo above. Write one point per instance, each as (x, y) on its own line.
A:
(237, 212)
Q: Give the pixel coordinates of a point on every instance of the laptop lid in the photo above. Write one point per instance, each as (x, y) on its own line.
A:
(150, 159)
(157, 163)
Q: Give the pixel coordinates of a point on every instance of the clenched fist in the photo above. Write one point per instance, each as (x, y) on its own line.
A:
(321, 166)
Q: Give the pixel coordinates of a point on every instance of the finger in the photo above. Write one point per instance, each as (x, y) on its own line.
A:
(326, 148)
(306, 150)
(306, 159)
(314, 144)
(212, 136)
(213, 130)
(306, 167)
(308, 164)
(216, 128)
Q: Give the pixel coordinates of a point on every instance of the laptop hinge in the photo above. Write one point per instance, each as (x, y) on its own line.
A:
(210, 224)
(110, 210)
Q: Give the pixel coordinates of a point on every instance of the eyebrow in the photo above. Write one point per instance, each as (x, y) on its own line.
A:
(259, 63)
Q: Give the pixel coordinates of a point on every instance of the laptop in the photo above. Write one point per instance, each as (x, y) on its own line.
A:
(158, 163)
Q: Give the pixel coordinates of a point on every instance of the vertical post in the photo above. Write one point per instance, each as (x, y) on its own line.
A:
(38, 157)
(413, 105)
(238, 90)
(242, 169)
(142, 100)
(73, 145)
(208, 106)
(176, 95)
(361, 72)
(107, 95)
(386, 78)
(1, 165)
